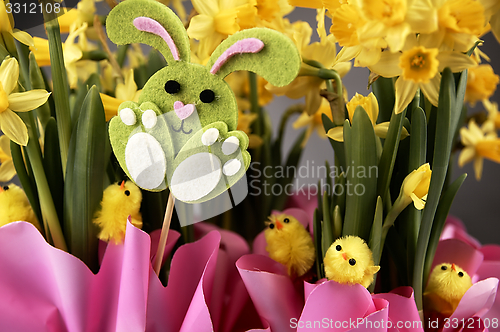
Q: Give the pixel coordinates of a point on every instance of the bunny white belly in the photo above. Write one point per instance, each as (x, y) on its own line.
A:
(196, 177)
(145, 161)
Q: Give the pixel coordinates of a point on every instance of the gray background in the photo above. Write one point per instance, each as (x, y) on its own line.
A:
(475, 203)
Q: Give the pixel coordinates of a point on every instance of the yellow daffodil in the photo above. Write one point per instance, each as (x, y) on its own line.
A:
(11, 102)
(331, 5)
(7, 170)
(481, 83)
(323, 52)
(370, 105)
(418, 66)
(7, 27)
(178, 7)
(245, 120)
(314, 121)
(72, 51)
(460, 23)
(415, 188)
(83, 13)
(217, 19)
(493, 113)
(479, 143)
(123, 92)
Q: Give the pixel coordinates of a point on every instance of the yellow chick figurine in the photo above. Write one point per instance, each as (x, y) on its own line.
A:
(290, 244)
(14, 206)
(445, 288)
(118, 202)
(350, 261)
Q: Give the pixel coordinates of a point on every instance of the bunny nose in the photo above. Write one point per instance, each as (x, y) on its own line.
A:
(183, 111)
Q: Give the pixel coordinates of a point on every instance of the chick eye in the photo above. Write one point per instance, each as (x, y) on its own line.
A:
(271, 226)
(338, 247)
(443, 267)
(6, 188)
(352, 262)
(127, 193)
(460, 274)
(286, 220)
(172, 87)
(207, 96)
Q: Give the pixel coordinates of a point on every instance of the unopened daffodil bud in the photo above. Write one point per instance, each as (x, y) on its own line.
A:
(416, 186)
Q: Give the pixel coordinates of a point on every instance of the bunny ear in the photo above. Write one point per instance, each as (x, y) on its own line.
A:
(152, 23)
(265, 52)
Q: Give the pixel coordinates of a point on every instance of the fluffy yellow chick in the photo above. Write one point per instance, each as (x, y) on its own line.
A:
(447, 284)
(290, 244)
(118, 202)
(350, 261)
(14, 206)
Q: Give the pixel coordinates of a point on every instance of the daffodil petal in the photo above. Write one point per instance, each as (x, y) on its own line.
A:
(7, 171)
(337, 134)
(495, 25)
(348, 53)
(431, 89)
(27, 101)
(205, 7)
(13, 127)
(417, 202)
(455, 61)
(381, 130)
(387, 66)
(478, 167)
(5, 144)
(313, 101)
(9, 73)
(302, 121)
(201, 26)
(405, 92)
(23, 37)
(466, 156)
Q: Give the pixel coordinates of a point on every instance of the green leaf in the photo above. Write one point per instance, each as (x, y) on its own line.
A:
(439, 169)
(459, 103)
(338, 147)
(389, 152)
(52, 166)
(417, 157)
(60, 84)
(317, 233)
(327, 230)
(439, 221)
(361, 184)
(28, 183)
(383, 89)
(37, 82)
(84, 179)
(375, 243)
(337, 223)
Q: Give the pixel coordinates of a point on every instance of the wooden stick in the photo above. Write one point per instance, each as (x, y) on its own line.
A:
(164, 234)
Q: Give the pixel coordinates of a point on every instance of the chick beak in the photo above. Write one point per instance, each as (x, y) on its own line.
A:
(453, 267)
(279, 226)
(1, 189)
(122, 185)
(344, 256)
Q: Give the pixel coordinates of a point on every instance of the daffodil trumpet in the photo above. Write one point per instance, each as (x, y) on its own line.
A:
(414, 189)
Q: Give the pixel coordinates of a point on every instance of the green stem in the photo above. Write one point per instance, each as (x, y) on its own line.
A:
(49, 212)
(60, 82)
(389, 220)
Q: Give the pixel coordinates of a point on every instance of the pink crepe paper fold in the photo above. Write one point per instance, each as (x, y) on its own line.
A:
(45, 289)
(476, 302)
(271, 291)
(460, 253)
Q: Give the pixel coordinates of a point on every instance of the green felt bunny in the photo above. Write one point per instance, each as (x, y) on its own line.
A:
(182, 133)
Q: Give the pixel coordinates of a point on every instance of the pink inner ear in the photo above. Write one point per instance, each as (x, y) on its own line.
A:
(248, 45)
(147, 24)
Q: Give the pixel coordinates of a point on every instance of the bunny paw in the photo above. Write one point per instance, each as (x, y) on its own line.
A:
(134, 137)
(210, 162)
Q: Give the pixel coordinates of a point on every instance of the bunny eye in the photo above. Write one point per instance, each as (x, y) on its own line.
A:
(172, 87)
(207, 96)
